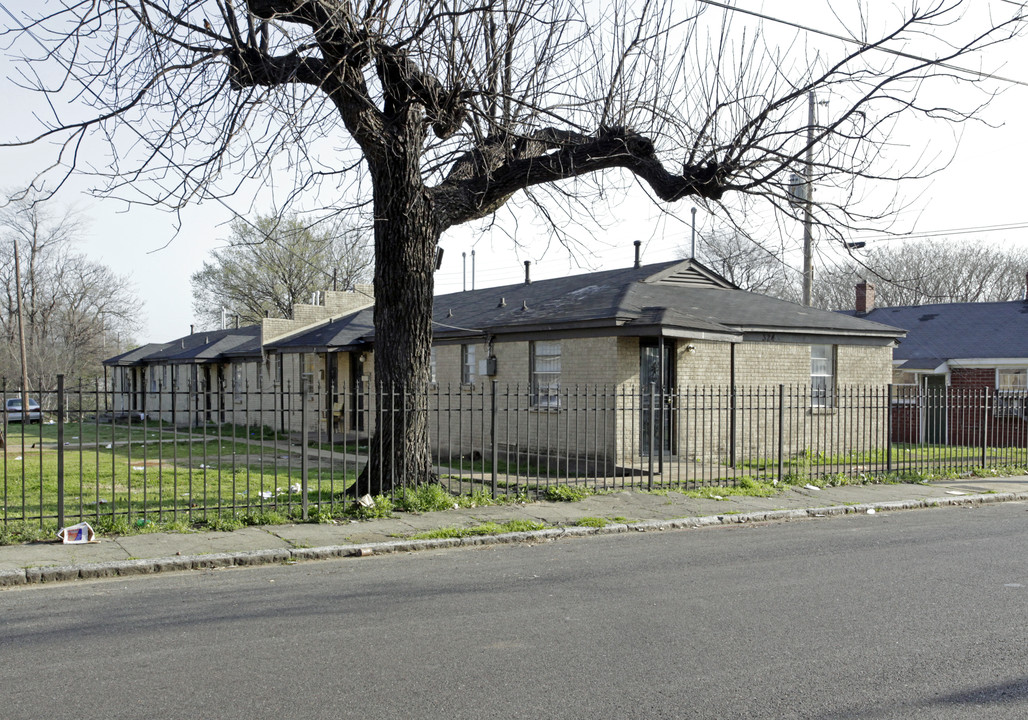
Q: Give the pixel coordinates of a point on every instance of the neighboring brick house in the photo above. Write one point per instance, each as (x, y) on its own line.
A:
(675, 325)
(961, 373)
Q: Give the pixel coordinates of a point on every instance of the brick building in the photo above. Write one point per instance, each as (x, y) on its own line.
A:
(600, 363)
(645, 329)
(960, 375)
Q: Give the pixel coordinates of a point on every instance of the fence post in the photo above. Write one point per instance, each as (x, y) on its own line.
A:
(304, 458)
(653, 449)
(888, 428)
(495, 440)
(60, 449)
(985, 426)
(732, 424)
(781, 432)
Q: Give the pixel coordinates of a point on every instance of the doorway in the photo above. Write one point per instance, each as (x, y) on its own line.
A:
(656, 389)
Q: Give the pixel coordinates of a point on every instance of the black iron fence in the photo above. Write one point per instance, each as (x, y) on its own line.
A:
(170, 455)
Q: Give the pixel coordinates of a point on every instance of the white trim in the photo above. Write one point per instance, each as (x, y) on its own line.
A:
(988, 362)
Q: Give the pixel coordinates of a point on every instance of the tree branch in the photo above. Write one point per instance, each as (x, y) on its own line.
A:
(479, 183)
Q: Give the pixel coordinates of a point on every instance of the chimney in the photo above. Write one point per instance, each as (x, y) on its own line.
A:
(528, 278)
(865, 297)
(192, 329)
(637, 244)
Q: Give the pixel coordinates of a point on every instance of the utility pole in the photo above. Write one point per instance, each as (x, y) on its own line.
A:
(808, 205)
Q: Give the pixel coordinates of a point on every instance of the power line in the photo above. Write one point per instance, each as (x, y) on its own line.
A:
(946, 231)
(866, 46)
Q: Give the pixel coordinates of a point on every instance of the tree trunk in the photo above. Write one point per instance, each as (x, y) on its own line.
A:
(406, 236)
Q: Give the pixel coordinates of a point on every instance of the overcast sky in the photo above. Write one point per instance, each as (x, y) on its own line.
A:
(984, 187)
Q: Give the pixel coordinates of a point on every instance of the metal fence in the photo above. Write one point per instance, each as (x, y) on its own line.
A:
(170, 455)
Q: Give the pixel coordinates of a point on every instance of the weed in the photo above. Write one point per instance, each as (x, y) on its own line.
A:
(566, 493)
(489, 528)
(112, 525)
(522, 526)
(222, 523)
(745, 487)
(596, 522)
(315, 514)
(22, 532)
(381, 507)
(427, 497)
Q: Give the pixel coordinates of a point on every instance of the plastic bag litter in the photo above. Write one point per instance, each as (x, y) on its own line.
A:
(77, 534)
(366, 501)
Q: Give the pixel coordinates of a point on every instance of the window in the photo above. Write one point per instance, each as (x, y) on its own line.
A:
(1011, 392)
(544, 369)
(822, 382)
(432, 367)
(467, 364)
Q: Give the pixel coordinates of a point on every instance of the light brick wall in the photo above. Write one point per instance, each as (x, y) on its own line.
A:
(772, 364)
(587, 375)
(602, 416)
(710, 363)
(863, 365)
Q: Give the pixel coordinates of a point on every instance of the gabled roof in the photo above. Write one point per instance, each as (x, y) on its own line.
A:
(203, 346)
(669, 298)
(957, 331)
(681, 298)
(135, 356)
(348, 332)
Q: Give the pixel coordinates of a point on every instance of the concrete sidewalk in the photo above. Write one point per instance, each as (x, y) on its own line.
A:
(45, 562)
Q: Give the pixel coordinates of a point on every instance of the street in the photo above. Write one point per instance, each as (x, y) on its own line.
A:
(892, 615)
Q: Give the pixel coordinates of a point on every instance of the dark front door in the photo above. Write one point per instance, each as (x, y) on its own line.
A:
(208, 399)
(656, 384)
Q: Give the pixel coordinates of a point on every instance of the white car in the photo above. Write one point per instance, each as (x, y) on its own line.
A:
(14, 414)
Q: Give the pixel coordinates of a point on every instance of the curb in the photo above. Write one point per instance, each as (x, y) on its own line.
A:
(253, 558)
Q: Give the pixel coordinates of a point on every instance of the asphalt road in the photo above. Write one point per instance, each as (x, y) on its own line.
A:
(918, 614)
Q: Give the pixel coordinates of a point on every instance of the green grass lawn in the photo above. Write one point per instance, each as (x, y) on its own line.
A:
(902, 454)
(88, 432)
(161, 478)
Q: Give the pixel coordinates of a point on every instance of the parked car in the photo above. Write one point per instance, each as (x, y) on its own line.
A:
(14, 411)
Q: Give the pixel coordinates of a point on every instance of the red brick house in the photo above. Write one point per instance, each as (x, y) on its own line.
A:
(960, 376)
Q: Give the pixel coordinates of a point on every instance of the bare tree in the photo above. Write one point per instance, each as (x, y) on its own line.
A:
(75, 310)
(927, 271)
(749, 264)
(447, 109)
(273, 262)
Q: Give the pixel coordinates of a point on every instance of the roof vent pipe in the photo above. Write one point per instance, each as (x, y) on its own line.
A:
(192, 329)
(637, 244)
(528, 277)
